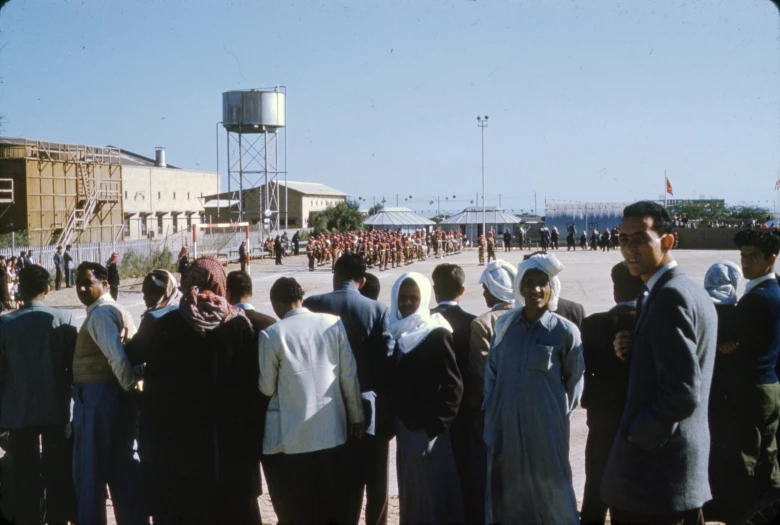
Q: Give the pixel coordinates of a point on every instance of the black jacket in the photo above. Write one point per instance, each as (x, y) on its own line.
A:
(606, 375)
(572, 311)
(426, 385)
(460, 321)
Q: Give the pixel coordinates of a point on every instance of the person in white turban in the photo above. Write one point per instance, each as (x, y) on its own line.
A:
(722, 281)
(426, 391)
(533, 381)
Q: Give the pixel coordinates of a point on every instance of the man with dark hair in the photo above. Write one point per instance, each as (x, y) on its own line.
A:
(606, 383)
(36, 353)
(448, 280)
(308, 370)
(59, 266)
(657, 471)
(239, 294)
(67, 259)
(28, 259)
(755, 347)
(507, 240)
(104, 413)
(366, 323)
(372, 287)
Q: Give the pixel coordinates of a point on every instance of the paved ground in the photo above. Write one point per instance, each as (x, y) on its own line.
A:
(586, 279)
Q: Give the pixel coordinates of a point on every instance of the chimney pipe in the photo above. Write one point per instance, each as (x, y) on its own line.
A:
(159, 157)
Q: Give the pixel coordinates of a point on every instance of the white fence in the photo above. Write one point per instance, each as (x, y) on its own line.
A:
(100, 252)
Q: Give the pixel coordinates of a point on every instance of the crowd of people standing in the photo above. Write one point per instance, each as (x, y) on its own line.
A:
(679, 381)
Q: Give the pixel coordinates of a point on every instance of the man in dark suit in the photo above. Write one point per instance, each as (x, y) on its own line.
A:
(755, 347)
(448, 287)
(366, 323)
(569, 310)
(657, 471)
(239, 293)
(606, 383)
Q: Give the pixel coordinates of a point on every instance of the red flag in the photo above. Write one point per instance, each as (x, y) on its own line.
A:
(669, 187)
(777, 184)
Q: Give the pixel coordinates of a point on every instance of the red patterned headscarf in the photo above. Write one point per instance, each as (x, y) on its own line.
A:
(203, 305)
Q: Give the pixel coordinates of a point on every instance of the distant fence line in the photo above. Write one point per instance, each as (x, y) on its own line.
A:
(222, 245)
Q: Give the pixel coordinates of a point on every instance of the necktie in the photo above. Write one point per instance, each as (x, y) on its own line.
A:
(640, 300)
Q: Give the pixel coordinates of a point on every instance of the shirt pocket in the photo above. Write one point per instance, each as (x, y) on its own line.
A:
(540, 357)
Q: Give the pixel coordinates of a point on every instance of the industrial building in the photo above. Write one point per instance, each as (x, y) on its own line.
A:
(469, 221)
(66, 193)
(398, 219)
(299, 203)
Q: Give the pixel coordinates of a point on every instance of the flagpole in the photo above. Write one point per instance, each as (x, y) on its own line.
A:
(666, 186)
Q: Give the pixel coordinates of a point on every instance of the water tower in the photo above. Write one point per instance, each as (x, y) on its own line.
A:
(255, 122)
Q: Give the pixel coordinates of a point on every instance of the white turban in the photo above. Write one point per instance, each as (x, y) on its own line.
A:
(721, 282)
(412, 330)
(498, 278)
(548, 264)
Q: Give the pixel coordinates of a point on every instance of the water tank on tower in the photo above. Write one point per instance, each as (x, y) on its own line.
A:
(253, 111)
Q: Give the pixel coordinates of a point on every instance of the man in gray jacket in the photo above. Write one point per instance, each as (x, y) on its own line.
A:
(657, 469)
(36, 353)
(365, 321)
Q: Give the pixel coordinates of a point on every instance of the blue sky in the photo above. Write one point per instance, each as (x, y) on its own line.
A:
(587, 100)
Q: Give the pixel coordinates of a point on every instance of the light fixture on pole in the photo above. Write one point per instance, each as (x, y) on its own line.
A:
(482, 123)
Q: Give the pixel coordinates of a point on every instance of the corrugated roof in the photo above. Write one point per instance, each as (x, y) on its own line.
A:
(397, 217)
(220, 203)
(313, 188)
(493, 215)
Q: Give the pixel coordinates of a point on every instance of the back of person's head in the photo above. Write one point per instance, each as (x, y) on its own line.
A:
(662, 221)
(98, 270)
(33, 281)
(67, 246)
(350, 267)
(626, 287)
(286, 290)
(371, 287)
(448, 281)
(239, 284)
(768, 241)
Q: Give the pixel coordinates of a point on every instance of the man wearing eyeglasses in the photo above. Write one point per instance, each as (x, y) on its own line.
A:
(657, 471)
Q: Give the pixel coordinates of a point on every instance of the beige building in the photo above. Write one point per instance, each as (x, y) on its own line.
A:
(306, 200)
(160, 201)
(65, 193)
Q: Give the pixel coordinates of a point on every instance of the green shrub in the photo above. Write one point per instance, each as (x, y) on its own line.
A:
(133, 265)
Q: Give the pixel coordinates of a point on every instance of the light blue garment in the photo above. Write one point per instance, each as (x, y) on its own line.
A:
(533, 380)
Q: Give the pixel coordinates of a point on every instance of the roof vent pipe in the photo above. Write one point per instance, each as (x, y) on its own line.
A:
(159, 157)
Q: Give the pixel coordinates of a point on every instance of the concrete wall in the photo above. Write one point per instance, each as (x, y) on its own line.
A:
(162, 201)
(707, 238)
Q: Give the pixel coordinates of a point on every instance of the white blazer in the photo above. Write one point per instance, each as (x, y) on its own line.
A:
(308, 370)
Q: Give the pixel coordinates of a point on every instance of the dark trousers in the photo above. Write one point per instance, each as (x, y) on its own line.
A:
(279, 257)
(474, 501)
(688, 517)
(41, 458)
(311, 262)
(602, 429)
(310, 487)
(368, 469)
(58, 278)
(242, 262)
(103, 431)
(113, 289)
(68, 277)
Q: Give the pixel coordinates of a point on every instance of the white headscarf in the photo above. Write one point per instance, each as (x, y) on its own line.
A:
(546, 263)
(498, 277)
(411, 331)
(722, 281)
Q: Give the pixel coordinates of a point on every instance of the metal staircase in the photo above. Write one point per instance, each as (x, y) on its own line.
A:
(91, 195)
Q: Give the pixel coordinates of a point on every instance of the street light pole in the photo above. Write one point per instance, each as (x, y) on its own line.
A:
(483, 123)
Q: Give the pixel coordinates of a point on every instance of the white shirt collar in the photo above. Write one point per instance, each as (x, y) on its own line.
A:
(626, 303)
(448, 303)
(103, 299)
(758, 280)
(244, 306)
(657, 275)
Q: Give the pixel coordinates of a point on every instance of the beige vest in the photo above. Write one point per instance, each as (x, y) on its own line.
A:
(90, 364)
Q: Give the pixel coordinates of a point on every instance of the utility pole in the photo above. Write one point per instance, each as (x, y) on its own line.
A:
(499, 200)
(483, 123)
(535, 213)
